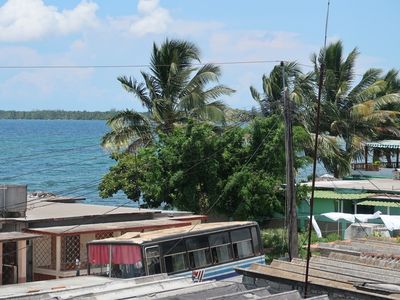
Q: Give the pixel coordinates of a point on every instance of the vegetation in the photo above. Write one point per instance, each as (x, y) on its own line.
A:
(56, 115)
(199, 168)
(182, 154)
(276, 244)
(173, 92)
(353, 111)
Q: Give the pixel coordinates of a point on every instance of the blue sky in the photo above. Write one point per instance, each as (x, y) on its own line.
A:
(106, 32)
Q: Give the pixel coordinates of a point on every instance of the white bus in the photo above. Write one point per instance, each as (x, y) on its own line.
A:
(203, 251)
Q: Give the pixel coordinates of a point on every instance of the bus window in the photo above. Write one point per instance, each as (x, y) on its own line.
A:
(153, 260)
(241, 241)
(221, 250)
(256, 241)
(198, 251)
(174, 253)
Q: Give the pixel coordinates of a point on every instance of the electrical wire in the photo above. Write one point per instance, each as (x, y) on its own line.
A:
(133, 66)
(50, 169)
(221, 195)
(13, 159)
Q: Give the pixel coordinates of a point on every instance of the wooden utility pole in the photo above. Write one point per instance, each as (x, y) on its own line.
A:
(290, 182)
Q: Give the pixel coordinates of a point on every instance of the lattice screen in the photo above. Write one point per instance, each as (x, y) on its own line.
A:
(70, 251)
(103, 235)
(43, 253)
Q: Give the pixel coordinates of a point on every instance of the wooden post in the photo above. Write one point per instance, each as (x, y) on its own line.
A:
(58, 256)
(366, 157)
(290, 184)
(1, 264)
(397, 158)
(21, 252)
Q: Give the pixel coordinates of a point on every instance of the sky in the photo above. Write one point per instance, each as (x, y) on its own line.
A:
(121, 33)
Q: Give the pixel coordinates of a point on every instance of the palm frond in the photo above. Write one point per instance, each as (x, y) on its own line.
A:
(214, 112)
(255, 94)
(138, 89)
(371, 91)
(206, 74)
(369, 78)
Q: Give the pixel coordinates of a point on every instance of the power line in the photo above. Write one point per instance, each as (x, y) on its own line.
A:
(57, 193)
(53, 143)
(14, 159)
(220, 196)
(50, 169)
(240, 62)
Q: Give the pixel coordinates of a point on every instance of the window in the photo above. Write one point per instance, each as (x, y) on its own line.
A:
(70, 251)
(153, 260)
(241, 241)
(221, 249)
(175, 257)
(198, 252)
(256, 241)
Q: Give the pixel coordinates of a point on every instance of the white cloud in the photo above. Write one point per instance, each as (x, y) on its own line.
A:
(152, 18)
(22, 20)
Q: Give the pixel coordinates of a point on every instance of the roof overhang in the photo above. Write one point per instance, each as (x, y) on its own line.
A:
(384, 144)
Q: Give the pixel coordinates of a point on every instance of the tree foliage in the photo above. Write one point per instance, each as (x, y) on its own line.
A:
(198, 167)
(174, 91)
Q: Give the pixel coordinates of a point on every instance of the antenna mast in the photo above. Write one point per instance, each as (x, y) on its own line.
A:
(317, 125)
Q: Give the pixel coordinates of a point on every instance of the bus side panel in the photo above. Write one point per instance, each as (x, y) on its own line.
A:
(225, 270)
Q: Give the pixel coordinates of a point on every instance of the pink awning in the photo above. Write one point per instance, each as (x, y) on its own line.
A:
(126, 254)
(99, 254)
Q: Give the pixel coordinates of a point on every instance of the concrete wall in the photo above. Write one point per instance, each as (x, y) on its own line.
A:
(83, 240)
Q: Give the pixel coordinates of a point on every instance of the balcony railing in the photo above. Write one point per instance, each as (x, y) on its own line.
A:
(372, 166)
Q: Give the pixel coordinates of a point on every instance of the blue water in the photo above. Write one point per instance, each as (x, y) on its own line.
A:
(59, 156)
(63, 157)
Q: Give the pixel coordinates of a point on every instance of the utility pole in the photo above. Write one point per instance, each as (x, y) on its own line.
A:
(290, 182)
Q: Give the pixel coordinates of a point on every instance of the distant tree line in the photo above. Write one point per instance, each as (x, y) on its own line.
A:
(56, 115)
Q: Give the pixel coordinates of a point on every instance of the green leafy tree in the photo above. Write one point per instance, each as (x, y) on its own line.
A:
(172, 92)
(236, 171)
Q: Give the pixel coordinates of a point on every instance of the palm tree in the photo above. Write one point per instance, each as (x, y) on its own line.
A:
(174, 91)
(299, 87)
(351, 113)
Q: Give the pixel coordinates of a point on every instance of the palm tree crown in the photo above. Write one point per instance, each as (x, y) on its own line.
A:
(352, 111)
(172, 92)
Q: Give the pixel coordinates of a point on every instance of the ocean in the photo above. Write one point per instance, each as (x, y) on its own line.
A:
(63, 157)
(58, 156)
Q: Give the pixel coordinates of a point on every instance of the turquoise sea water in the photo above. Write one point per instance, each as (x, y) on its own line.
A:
(59, 156)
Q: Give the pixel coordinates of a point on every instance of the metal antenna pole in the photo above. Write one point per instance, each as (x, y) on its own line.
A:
(317, 125)
(290, 188)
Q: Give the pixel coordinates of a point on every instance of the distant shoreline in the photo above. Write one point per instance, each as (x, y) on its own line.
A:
(56, 115)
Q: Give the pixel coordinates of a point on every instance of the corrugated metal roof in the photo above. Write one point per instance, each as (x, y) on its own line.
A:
(140, 238)
(341, 196)
(394, 144)
(380, 203)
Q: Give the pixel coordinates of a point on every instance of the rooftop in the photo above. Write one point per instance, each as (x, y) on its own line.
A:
(135, 226)
(39, 209)
(342, 196)
(16, 236)
(144, 288)
(373, 185)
